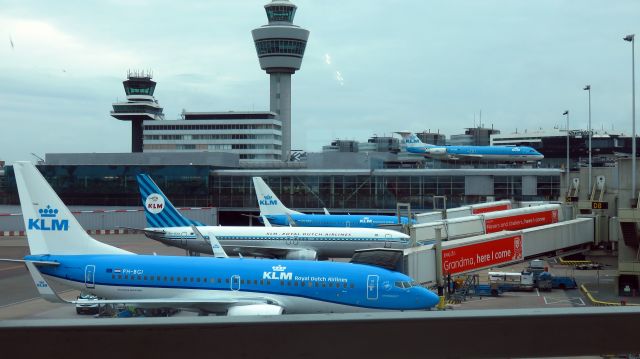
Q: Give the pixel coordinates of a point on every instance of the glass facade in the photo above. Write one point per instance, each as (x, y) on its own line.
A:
(289, 47)
(204, 186)
(136, 109)
(280, 13)
(165, 127)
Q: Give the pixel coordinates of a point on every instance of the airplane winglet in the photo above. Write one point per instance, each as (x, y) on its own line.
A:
(326, 211)
(41, 284)
(292, 223)
(216, 248)
(266, 221)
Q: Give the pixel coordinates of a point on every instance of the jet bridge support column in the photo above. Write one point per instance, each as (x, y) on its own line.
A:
(439, 278)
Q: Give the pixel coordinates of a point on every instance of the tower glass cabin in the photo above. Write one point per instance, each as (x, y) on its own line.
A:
(280, 48)
(140, 106)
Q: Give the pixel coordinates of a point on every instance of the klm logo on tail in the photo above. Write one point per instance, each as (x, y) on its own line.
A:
(412, 139)
(48, 221)
(154, 203)
(268, 201)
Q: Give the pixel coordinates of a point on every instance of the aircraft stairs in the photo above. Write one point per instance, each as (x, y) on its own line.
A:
(462, 291)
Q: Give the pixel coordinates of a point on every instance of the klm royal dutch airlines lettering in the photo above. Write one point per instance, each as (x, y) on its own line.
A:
(48, 221)
(278, 273)
(268, 201)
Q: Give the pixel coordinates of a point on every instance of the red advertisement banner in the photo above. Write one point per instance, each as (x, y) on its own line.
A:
(500, 207)
(479, 255)
(521, 221)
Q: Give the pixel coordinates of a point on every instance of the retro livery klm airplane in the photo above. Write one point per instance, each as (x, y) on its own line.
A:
(169, 226)
(277, 213)
(485, 153)
(63, 251)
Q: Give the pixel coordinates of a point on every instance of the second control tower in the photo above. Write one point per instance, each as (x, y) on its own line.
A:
(280, 46)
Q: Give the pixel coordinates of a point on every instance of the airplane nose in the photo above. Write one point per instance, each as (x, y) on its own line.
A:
(428, 298)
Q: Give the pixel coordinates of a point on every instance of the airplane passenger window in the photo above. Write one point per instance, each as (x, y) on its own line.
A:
(302, 284)
(261, 281)
(139, 277)
(113, 276)
(191, 279)
(119, 276)
(126, 276)
(317, 284)
(282, 282)
(352, 285)
(177, 279)
(145, 277)
(295, 284)
(242, 281)
(289, 283)
(268, 282)
(165, 278)
(330, 284)
(345, 285)
(171, 279)
(324, 284)
(220, 280)
(184, 279)
(226, 280)
(255, 282)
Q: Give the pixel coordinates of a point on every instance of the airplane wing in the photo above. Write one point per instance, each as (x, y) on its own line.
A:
(468, 156)
(216, 248)
(145, 230)
(326, 211)
(266, 252)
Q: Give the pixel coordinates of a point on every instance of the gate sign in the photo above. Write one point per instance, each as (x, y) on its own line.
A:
(480, 255)
(521, 221)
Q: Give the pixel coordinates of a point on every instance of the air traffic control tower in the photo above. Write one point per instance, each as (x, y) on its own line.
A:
(140, 105)
(280, 46)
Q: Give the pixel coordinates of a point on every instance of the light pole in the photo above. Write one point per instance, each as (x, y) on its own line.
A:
(566, 113)
(631, 38)
(588, 88)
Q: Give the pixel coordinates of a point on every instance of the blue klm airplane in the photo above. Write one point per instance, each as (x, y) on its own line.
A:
(485, 153)
(63, 251)
(277, 213)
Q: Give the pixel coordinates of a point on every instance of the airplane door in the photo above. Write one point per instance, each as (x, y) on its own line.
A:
(183, 240)
(235, 282)
(89, 276)
(387, 241)
(372, 287)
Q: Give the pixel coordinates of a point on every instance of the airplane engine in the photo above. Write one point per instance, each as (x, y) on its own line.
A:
(254, 309)
(437, 151)
(302, 254)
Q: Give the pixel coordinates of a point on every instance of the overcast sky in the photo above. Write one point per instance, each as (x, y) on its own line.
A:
(370, 67)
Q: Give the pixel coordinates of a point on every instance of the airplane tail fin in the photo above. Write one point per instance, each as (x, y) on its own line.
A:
(51, 228)
(268, 201)
(158, 209)
(411, 140)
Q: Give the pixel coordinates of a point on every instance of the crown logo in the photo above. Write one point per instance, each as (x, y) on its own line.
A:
(154, 198)
(48, 212)
(278, 268)
(267, 197)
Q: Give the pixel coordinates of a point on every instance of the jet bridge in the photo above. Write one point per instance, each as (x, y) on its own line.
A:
(497, 249)
(464, 211)
(512, 219)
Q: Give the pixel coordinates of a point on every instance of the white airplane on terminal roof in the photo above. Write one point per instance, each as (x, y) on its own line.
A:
(61, 249)
(485, 153)
(169, 226)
